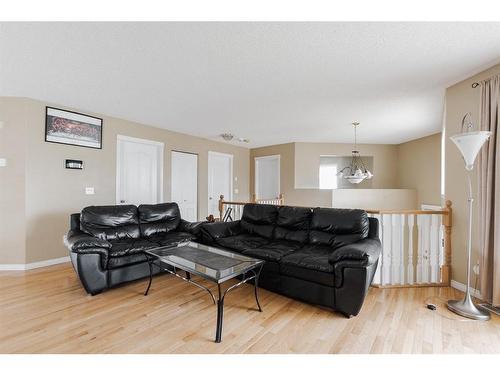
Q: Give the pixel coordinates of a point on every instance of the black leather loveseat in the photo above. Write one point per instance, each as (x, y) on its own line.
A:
(106, 243)
(324, 256)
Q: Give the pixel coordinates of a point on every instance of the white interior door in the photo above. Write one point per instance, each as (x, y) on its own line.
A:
(185, 184)
(267, 177)
(139, 171)
(220, 180)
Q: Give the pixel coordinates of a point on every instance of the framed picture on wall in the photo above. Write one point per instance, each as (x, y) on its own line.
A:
(72, 128)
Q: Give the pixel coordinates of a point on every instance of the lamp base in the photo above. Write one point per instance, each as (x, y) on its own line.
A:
(468, 309)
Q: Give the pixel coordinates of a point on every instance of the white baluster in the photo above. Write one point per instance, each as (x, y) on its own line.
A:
(387, 249)
(395, 251)
(401, 246)
(441, 241)
(426, 245)
(420, 250)
(434, 248)
(377, 278)
(410, 274)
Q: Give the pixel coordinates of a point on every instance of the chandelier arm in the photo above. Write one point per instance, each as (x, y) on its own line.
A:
(363, 164)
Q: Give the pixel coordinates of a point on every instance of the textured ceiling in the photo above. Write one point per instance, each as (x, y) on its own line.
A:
(269, 82)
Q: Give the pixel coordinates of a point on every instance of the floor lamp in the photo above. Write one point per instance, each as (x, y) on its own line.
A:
(469, 143)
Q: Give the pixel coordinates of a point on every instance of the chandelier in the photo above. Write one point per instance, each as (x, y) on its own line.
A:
(356, 171)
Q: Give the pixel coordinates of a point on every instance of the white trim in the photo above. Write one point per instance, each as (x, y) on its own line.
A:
(160, 148)
(457, 285)
(30, 266)
(215, 153)
(120, 137)
(256, 159)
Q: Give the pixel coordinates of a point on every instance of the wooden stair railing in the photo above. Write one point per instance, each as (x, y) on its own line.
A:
(416, 247)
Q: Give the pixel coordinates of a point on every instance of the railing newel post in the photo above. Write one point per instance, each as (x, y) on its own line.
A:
(221, 207)
(447, 222)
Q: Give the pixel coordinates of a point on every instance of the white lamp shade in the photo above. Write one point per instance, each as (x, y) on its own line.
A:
(469, 145)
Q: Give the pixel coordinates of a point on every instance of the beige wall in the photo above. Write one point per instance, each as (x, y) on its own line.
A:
(300, 169)
(460, 99)
(419, 168)
(50, 192)
(12, 182)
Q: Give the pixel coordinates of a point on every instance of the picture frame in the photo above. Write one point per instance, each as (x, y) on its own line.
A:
(72, 128)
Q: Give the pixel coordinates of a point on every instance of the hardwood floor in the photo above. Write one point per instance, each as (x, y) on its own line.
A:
(47, 311)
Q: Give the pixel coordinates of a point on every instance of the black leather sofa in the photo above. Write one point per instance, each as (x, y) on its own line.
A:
(324, 256)
(107, 243)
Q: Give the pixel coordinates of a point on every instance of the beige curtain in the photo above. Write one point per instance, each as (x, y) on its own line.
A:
(489, 192)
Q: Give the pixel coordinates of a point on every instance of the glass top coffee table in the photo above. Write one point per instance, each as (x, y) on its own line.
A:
(210, 263)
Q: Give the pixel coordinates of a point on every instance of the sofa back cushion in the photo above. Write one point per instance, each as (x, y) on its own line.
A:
(293, 223)
(158, 218)
(337, 227)
(259, 219)
(110, 222)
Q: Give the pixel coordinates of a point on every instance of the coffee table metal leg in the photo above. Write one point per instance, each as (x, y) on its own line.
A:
(188, 275)
(150, 276)
(256, 288)
(220, 314)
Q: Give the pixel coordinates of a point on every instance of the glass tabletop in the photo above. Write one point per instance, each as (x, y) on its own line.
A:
(206, 261)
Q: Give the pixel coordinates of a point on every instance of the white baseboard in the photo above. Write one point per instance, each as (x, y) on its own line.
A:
(474, 292)
(30, 266)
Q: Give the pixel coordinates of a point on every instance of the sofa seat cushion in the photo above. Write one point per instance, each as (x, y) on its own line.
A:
(126, 260)
(274, 250)
(242, 242)
(171, 238)
(121, 248)
(310, 263)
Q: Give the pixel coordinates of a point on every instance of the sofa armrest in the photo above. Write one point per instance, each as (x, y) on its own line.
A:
(78, 241)
(190, 227)
(362, 253)
(210, 232)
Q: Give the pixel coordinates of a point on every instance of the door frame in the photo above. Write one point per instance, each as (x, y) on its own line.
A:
(197, 176)
(160, 155)
(256, 169)
(231, 156)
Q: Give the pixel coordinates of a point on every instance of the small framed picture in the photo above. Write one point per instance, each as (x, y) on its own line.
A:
(72, 128)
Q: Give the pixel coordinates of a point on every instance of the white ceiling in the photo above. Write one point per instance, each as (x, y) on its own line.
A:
(269, 82)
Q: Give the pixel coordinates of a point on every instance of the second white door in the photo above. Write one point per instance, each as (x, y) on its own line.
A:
(220, 180)
(267, 177)
(185, 184)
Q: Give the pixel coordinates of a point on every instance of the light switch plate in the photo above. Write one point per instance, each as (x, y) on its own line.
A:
(89, 190)
(3, 162)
